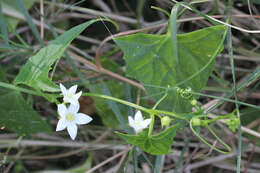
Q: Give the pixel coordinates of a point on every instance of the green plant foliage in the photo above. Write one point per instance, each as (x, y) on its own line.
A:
(18, 116)
(156, 144)
(35, 72)
(12, 6)
(104, 111)
(151, 60)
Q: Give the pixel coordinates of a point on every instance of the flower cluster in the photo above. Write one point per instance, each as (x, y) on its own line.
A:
(69, 116)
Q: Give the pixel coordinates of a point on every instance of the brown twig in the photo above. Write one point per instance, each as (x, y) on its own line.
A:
(250, 158)
(108, 160)
(42, 21)
(101, 70)
(57, 156)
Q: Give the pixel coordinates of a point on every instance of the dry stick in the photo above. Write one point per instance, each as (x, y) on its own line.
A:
(56, 156)
(224, 23)
(209, 161)
(254, 123)
(13, 162)
(108, 160)
(97, 13)
(120, 162)
(69, 144)
(232, 168)
(105, 71)
(36, 22)
(250, 158)
(42, 21)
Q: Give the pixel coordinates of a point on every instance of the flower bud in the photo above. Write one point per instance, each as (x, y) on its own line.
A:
(193, 102)
(165, 121)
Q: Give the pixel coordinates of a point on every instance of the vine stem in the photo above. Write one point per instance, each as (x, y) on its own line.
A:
(150, 132)
(229, 150)
(149, 111)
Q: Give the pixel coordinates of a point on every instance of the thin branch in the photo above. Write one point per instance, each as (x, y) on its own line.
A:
(108, 160)
(42, 20)
(101, 70)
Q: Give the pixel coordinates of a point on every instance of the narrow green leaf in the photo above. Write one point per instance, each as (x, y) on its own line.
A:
(156, 144)
(35, 72)
(151, 60)
(103, 109)
(3, 26)
(115, 108)
(158, 163)
(23, 9)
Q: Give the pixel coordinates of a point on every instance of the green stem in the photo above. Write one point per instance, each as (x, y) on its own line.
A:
(150, 132)
(161, 99)
(229, 150)
(118, 100)
(13, 87)
(218, 118)
(149, 111)
(152, 115)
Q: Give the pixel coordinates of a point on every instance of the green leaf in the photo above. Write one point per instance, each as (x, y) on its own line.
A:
(18, 116)
(156, 144)
(102, 107)
(151, 60)
(35, 72)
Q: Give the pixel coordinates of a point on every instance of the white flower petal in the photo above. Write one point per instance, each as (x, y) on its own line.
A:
(62, 110)
(138, 116)
(82, 118)
(62, 124)
(63, 89)
(75, 102)
(146, 122)
(66, 99)
(77, 96)
(74, 108)
(73, 89)
(131, 121)
(138, 129)
(72, 130)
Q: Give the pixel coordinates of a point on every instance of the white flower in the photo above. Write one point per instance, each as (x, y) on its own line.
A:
(69, 118)
(138, 124)
(70, 95)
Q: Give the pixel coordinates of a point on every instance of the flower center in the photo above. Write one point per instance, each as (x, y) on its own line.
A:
(138, 123)
(70, 117)
(70, 95)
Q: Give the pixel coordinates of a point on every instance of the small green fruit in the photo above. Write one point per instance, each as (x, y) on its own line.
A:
(193, 102)
(196, 122)
(165, 121)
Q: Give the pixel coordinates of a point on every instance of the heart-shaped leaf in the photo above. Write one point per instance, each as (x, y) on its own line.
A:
(156, 144)
(151, 60)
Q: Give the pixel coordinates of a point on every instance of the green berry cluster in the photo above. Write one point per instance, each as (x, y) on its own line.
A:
(184, 93)
(233, 123)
